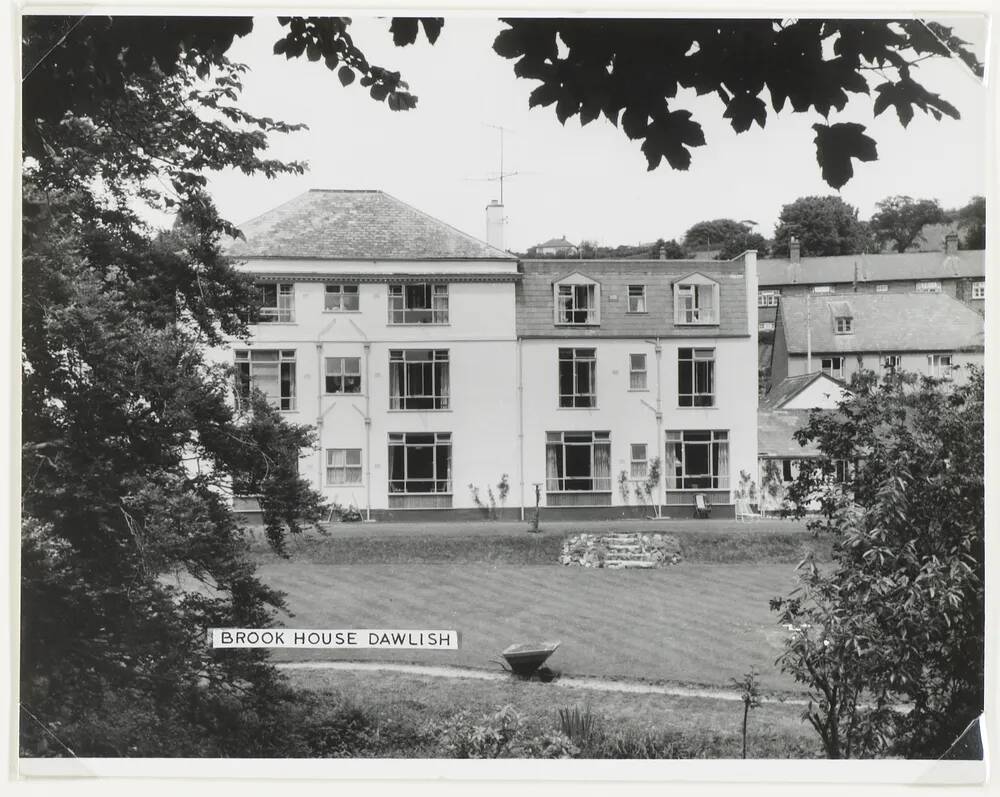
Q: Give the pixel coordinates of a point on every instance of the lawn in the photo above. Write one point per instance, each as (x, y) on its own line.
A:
(693, 623)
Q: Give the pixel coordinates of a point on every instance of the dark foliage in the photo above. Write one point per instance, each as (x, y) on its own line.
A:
(899, 220)
(823, 225)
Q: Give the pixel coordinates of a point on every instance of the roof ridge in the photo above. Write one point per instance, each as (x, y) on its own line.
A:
(446, 224)
(268, 212)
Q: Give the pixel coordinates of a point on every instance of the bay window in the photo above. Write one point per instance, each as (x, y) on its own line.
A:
(697, 460)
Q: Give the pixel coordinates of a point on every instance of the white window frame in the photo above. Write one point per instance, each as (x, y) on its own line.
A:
(928, 286)
(283, 309)
(675, 469)
(822, 289)
(577, 357)
(696, 301)
(938, 368)
(406, 441)
(283, 362)
(690, 358)
(339, 462)
(590, 440)
(891, 362)
(338, 298)
(638, 462)
(636, 298)
(435, 367)
(433, 310)
(577, 304)
(843, 325)
(882, 287)
(979, 289)
(768, 297)
(638, 375)
(342, 369)
(835, 373)
(765, 326)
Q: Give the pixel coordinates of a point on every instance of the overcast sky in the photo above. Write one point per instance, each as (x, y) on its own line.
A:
(582, 182)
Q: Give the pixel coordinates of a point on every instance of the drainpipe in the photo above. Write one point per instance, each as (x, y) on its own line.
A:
(660, 451)
(319, 411)
(809, 335)
(520, 419)
(368, 432)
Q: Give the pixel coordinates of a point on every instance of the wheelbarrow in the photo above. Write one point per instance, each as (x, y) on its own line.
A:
(527, 658)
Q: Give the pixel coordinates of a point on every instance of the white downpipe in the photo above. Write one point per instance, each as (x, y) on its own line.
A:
(520, 419)
(368, 432)
(660, 450)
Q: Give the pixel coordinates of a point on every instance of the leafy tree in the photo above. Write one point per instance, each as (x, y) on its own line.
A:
(131, 443)
(899, 619)
(972, 222)
(671, 249)
(899, 220)
(630, 71)
(824, 225)
(730, 237)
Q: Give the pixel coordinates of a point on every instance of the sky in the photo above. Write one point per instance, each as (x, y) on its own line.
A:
(585, 183)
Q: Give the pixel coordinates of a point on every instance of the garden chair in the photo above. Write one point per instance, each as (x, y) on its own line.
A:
(702, 509)
(744, 511)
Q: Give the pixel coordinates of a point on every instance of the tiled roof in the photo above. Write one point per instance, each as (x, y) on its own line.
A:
(356, 225)
(535, 301)
(556, 242)
(895, 322)
(871, 268)
(776, 430)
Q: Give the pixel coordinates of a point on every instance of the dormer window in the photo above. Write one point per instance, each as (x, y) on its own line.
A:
(577, 301)
(843, 318)
(696, 300)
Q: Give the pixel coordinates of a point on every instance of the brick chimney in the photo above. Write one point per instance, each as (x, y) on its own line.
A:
(494, 225)
(951, 243)
(794, 249)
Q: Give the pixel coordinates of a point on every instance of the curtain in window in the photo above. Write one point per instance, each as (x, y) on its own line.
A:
(602, 466)
(706, 309)
(442, 384)
(395, 388)
(671, 464)
(396, 471)
(722, 468)
(552, 463)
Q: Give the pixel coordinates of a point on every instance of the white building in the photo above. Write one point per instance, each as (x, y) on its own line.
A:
(430, 372)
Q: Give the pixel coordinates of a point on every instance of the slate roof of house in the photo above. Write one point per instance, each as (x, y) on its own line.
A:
(871, 268)
(894, 322)
(776, 430)
(561, 243)
(536, 310)
(356, 225)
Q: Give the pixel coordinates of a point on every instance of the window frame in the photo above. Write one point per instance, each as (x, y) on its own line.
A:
(597, 484)
(342, 292)
(769, 297)
(886, 365)
(634, 372)
(881, 287)
(843, 325)
(437, 362)
(693, 313)
(979, 289)
(437, 308)
(822, 289)
(831, 371)
(280, 312)
(286, 373)
(696, 354)
(939, 370)
(577, 356)
(347, 468)
(439, 441)
(637, 464)
(343, 375)
(927, 286)
(678, 479)
(641, 307)
(765, 326)
(565, 315)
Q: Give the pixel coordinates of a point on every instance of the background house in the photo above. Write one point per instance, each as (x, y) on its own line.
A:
(960, 274)
(556, 247)
(840, 334)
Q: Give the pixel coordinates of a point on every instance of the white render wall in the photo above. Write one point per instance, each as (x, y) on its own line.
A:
(630, 415)
(479, 337)
(915, 362)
